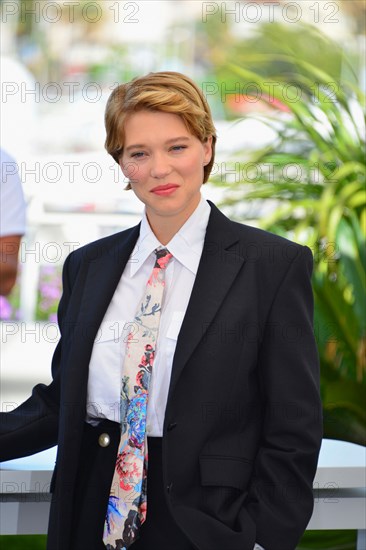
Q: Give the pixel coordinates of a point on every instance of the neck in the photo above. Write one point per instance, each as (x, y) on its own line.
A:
(165, 227)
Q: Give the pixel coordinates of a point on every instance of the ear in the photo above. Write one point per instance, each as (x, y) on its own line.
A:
(207, 148)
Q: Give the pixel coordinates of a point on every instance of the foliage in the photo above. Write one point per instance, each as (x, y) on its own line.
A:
(48, 296)
(10, 305)
(312, 540)
(313, 177)
(328, 540)
(20, 542)
(49, 293)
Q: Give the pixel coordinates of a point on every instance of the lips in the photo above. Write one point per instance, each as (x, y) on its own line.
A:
(165, 190)
(164, 187)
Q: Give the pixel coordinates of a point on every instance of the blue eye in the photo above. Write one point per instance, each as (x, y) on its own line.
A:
(179, 147)
(137, 155)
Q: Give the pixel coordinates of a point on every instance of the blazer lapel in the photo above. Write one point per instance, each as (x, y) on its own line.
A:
(219, 265)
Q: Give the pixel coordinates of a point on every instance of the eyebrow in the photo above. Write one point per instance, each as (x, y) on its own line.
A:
(172, 140)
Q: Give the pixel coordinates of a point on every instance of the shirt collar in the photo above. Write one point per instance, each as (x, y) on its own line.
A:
(186, 245)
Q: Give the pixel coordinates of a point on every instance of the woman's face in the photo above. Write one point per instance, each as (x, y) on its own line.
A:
(164, 163)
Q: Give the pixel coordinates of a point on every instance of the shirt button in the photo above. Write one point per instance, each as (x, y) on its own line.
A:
(104, 440)
(169, 487)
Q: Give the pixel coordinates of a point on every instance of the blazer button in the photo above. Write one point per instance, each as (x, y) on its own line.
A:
(104, 440)
(169, 487)
(171, 426)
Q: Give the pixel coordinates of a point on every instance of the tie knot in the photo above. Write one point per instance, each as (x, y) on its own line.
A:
(162, 257)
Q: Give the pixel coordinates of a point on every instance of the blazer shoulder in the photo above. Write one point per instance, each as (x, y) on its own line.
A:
(261, 236)
(271, 250)
(253, 243)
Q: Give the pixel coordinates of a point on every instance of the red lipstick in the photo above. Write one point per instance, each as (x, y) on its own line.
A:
(167, 189)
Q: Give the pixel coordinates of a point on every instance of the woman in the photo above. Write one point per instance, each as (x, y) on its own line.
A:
(209, 439)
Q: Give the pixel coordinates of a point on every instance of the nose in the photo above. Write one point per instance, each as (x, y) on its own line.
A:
(160, 167)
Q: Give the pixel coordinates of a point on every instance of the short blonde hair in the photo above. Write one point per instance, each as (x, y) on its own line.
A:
(169, 92)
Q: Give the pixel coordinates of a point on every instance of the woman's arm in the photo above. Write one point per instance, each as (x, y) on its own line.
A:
(9, 249)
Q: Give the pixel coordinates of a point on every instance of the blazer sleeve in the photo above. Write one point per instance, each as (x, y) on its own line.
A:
(33, 426)
(280, 498)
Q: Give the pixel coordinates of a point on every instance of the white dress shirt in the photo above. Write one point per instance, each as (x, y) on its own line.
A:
(105, 368)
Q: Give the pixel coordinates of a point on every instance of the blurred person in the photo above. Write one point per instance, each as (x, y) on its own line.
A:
(185, 395)
(12, 221)
(20, 99)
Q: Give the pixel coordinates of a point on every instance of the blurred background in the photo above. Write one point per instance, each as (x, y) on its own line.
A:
(286, 85)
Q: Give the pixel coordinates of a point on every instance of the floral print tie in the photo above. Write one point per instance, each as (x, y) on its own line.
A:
(127, 504)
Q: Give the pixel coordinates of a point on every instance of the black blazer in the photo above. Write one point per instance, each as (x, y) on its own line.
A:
(243, 423)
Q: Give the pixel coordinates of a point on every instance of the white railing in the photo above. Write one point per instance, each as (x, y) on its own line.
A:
(339, 491)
